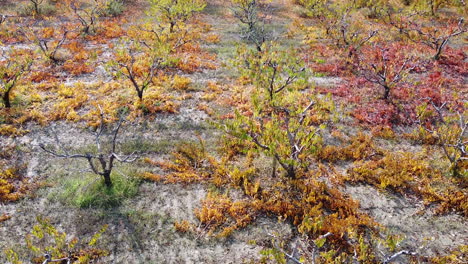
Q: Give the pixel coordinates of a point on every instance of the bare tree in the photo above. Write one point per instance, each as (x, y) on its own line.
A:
(450, 132)
(50, 51)
(88, 15)
(346, 33)
(432, 37)
(101, 162)
(48, 45)
(12, 67)
(383, 66)
(249, 13)
(135, 55)
(36, 5)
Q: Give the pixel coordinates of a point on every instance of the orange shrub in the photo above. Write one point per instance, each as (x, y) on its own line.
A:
(42, 76)
(77, 68)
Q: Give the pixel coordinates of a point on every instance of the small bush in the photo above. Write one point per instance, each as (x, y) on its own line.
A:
(28, 10)
(84, 192)
(301, 11)
(25, 10)
(46, 244)
(181, 83)
(13, 184)
(48, 10)
(114, 8)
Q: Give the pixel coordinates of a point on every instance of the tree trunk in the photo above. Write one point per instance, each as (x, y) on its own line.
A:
(439, 50)
(36, 8)
(291, 172)
(386, 92)
(140, 94)
(107, 179)
(259, 47)
(6, 99)
(171, 29)
(457, 165)
(433, 7)
(274, 166)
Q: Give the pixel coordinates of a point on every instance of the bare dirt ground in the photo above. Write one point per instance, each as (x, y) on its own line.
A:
(424, 232)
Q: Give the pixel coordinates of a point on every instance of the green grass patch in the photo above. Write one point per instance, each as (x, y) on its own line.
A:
(319, 74)
(89, 190)
(224, 51)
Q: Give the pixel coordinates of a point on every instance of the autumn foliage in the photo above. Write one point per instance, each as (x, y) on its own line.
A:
(342, 93)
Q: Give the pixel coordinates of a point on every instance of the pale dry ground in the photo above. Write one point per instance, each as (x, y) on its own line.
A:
(426, 234)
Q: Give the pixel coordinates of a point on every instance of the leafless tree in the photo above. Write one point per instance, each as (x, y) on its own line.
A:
(349, 37)
(381, 67)
(135, 55)
(11, 71)
(87, 15)
(431, 37)
(36, 5)
(251, 13)
(49, 47)
(101, 162)
(50, 51)
(451, 134)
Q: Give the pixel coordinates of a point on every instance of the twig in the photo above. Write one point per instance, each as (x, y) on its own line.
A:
(399, 253)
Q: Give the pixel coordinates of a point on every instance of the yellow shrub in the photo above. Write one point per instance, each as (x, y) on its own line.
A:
(303, 201)
(35, 97)
(406, 172)
(205, 108)
(181, 83)
(63, 107)
(184, 226)
(65, 91)
(10, 130)
(209, 96)
(11, 185)
(384, 132)
(213, 87)
(359, 147)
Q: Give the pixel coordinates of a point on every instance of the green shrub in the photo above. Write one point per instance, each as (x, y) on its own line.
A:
(25, 10)
(48, 10)
(114, 8)
(45, 9)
